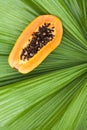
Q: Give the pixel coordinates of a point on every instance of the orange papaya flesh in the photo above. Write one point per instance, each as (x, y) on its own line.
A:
(35, 43)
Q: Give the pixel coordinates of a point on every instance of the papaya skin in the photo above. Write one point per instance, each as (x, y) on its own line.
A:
(14, 57)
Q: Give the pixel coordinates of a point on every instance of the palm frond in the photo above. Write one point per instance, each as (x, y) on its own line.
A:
(53, 96)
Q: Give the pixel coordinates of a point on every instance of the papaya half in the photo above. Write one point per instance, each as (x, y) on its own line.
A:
(35, 43)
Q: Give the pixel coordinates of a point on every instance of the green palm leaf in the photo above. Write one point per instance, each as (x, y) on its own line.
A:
(54, 95)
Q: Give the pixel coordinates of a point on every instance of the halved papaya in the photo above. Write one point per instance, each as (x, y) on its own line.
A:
(35, 43)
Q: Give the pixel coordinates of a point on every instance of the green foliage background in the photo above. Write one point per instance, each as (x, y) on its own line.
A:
(54, 95)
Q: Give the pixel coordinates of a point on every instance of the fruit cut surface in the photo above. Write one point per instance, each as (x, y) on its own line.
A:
(35, 43)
